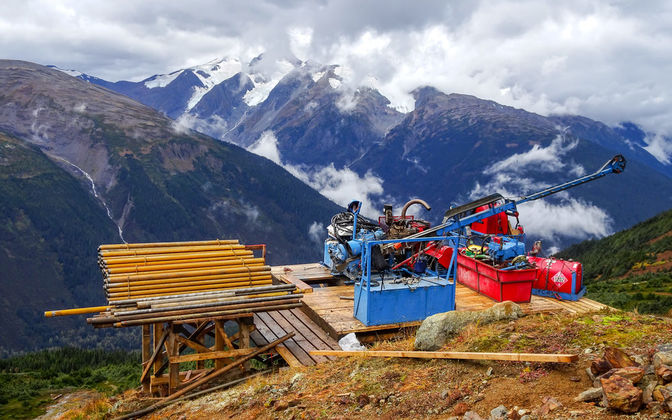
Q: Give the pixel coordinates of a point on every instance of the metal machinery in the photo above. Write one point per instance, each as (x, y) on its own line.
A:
(405, 270)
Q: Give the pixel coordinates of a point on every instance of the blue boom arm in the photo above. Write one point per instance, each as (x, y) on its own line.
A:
(614, 165)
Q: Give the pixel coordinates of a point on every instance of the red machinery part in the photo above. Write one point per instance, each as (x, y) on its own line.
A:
(557, 275)
(497, 224)
(443, 254)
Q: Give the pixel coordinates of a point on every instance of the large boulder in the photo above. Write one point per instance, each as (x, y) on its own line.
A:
(635, 374)
(617, 358)
(437, 329)
(662, 358)
(621, 395)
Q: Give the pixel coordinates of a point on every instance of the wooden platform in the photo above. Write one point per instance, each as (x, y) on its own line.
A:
(308, 336)
(332, 307)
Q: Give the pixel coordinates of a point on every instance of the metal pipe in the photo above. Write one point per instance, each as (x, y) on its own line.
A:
(144, 251)
(202, 315)
(180, 265)
(167, 244)
(76, 311)
(187, 284)
(410, 203)
(174, 290)
(159, 259)
(184, 273)
(236, 276)
(241, 291)
(197, 305)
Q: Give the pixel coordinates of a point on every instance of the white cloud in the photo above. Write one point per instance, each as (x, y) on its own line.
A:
(542, 159)
(659, 147)
(267, 146)
(607, 60)
(339, 185)
(551, 219)
(316, 232)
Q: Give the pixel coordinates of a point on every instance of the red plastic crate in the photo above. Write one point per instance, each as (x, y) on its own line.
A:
(500, 285)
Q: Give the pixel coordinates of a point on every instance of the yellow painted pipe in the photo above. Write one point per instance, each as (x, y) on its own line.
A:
(177, 290)
(188, 273)
(76, 311)
(207, 283)
(160, 259)
(181, 266)
(134, 294)
(143, 251)
(185, 284)
(166, 244)
(185, 281)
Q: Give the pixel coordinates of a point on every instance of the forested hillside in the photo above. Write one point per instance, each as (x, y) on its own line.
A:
(631, 269)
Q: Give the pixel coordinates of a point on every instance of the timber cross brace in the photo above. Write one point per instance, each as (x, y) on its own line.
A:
(164, 345)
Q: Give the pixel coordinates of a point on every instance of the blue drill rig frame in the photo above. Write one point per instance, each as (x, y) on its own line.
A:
(389, 289)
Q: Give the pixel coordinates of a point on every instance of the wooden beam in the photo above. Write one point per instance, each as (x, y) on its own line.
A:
(519, 357)
(193, 344)
(225, 369)
(146, 352)
(210, 356)
(157, 351)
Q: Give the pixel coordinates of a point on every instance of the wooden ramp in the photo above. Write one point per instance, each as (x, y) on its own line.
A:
(308, 336)
(331, 308)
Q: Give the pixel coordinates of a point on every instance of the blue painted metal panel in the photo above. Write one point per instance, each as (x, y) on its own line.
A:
(380, 300)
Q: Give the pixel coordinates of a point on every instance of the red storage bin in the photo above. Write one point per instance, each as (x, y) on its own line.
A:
(500, 285)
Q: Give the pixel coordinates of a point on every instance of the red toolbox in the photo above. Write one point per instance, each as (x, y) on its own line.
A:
(497, 284)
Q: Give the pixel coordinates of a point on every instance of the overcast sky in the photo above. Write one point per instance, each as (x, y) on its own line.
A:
(611, 61)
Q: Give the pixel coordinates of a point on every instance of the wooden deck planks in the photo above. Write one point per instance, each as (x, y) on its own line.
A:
(335, 316)
(308, 336)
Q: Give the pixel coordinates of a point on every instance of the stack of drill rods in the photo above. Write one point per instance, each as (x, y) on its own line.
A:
(159, 269)
(260, 290)
(198, 305)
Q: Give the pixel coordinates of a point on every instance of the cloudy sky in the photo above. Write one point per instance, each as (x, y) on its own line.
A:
(611, 61)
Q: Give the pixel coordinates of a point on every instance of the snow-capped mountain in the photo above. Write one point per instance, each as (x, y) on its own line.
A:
(347, 142)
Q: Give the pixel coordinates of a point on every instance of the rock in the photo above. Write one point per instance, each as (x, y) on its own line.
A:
(363, 400)
(295, 379)
(635, 374)
(437, 329)
(590, 374)
(548, 404)
(662, 358)
(488, 372)
(647, 392)
(499, 413)
(667, 398)
(658, 394)
(664, 372)
(620, 394)
(280, 405)
(460, 409)
(664, 347)
(617, 358)
(591, 394)
(575, 379)
(600, 366)
(471, 415)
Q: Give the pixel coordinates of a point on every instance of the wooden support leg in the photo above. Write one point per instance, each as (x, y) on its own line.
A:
(158, 331)
(146, 354)
(173, 368)
(219, 341)
(244, 340)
